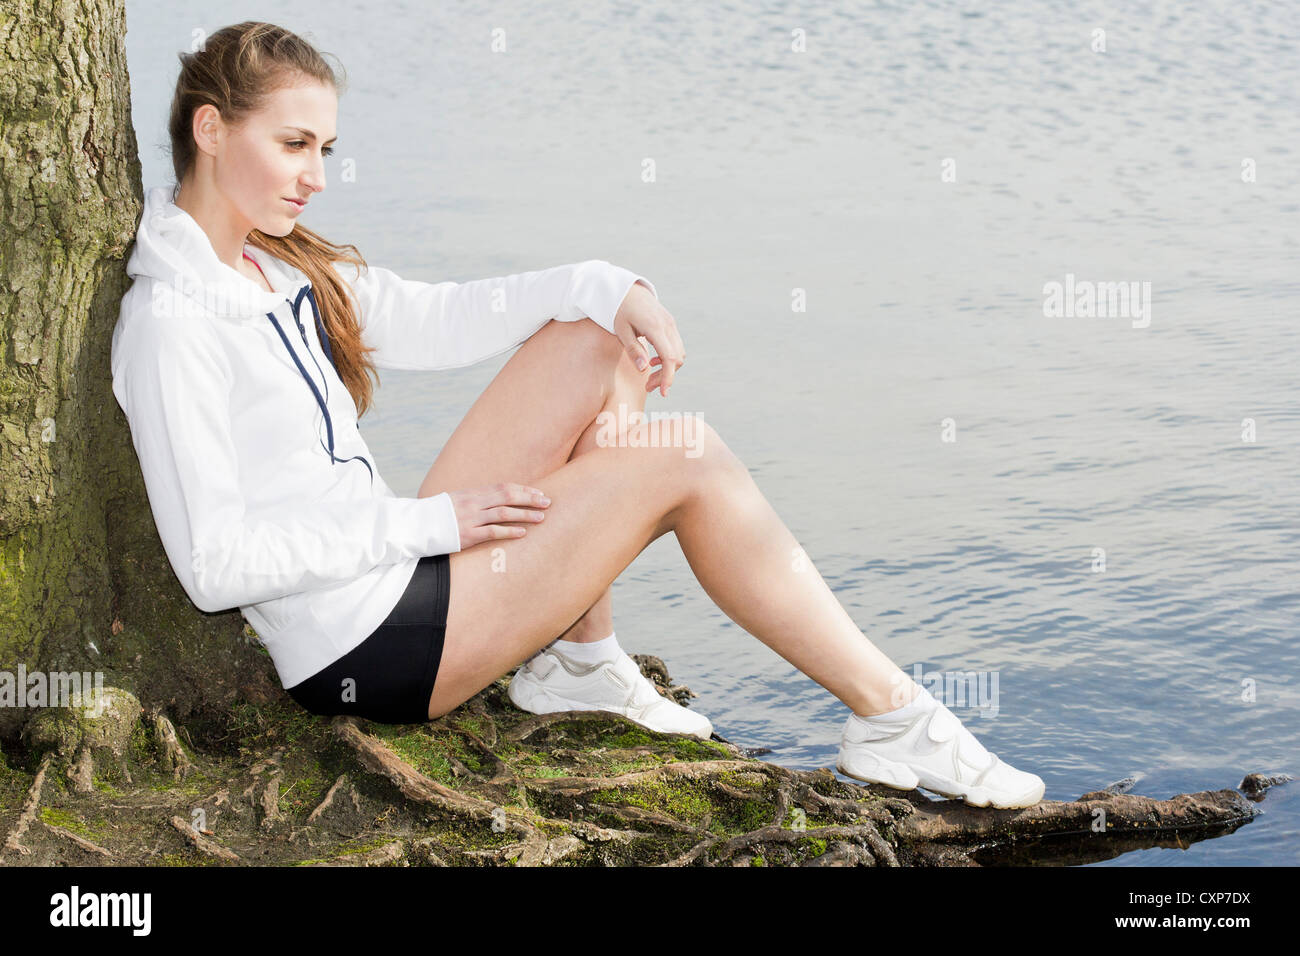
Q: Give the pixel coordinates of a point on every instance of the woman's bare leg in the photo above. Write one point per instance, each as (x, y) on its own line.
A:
(510, 597)
(537, 413)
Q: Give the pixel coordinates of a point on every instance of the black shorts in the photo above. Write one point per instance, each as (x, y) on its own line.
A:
(389, 676)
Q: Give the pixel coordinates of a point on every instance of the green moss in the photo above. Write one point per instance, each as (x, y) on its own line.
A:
(642, 762)
(105, 787)
(70, 821)
(745, 779)
(751, 815)
(141, 745)
(817, 846)
(13, 784)
(427, 749)
(255, 727)
(363, 846)
(425, 757)
(544, 772)
(471, 723)
(683, 799)
(303, 795)
(693, 749)
(462, 836)
(630, 739)
(757, 861)
(553, 828)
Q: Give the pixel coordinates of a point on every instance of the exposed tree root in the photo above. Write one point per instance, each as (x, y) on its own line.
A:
(329, 799)
(952, 820)
(379, 758)
(657, 673)
(386, 855)
(491, 785)
(173, 755)
(80, 841)
(1254, 784)
(376, 757)
(529, 726)
(724, 849)
(202, 843)
(28, 814)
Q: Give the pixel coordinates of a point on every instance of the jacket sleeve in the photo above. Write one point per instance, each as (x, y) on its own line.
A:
(423, 326)
(173, 383)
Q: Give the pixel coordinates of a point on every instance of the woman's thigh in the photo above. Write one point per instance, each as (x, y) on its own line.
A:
(534, 411)
(511, 596)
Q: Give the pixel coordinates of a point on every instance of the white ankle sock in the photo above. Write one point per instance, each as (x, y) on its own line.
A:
(923, 701)
(590, 652)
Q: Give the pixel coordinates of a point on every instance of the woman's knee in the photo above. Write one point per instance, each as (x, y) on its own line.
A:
(699, 445)
(686, 444)
(693, 464)
(713, 444)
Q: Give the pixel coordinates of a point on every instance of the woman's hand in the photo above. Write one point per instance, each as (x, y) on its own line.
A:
(482, 513)
(641, 314)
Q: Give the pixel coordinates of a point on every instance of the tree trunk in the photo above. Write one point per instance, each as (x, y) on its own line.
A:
(84, 583)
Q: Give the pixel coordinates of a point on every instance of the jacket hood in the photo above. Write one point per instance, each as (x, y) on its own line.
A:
(173, 250)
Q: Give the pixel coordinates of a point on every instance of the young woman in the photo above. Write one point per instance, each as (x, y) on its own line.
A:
(242, 359)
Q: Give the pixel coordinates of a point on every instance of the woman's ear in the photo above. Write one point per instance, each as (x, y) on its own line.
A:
(207, 128)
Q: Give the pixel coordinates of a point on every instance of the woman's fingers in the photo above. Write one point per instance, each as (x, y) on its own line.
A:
(660, 333)
(492, 532)
(663, 375)
(633, 345)
(502, 513)
(666, 366)
(495, 517)
(486, 513)
(510, 493)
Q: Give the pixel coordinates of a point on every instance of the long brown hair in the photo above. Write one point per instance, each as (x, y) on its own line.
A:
(238, 67)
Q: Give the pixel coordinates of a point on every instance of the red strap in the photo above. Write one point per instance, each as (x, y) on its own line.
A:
(254, 262)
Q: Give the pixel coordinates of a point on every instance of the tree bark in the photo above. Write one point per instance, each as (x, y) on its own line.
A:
(84, 583)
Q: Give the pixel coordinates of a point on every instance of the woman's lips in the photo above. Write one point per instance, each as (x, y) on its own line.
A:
(295, 205)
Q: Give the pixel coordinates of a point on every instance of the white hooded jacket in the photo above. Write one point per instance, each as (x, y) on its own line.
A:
(234, 405)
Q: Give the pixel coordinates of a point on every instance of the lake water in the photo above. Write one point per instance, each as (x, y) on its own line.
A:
(922, 171)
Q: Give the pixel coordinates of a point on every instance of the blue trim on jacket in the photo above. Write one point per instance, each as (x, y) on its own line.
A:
(307, 292)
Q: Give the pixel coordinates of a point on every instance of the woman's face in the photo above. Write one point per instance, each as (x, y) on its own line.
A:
(277, 155)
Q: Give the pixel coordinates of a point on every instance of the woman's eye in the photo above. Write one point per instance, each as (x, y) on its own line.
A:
(326, 151)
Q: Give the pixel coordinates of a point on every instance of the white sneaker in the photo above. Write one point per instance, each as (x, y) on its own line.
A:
(860, 763)
(549, 682)
(935, 751)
